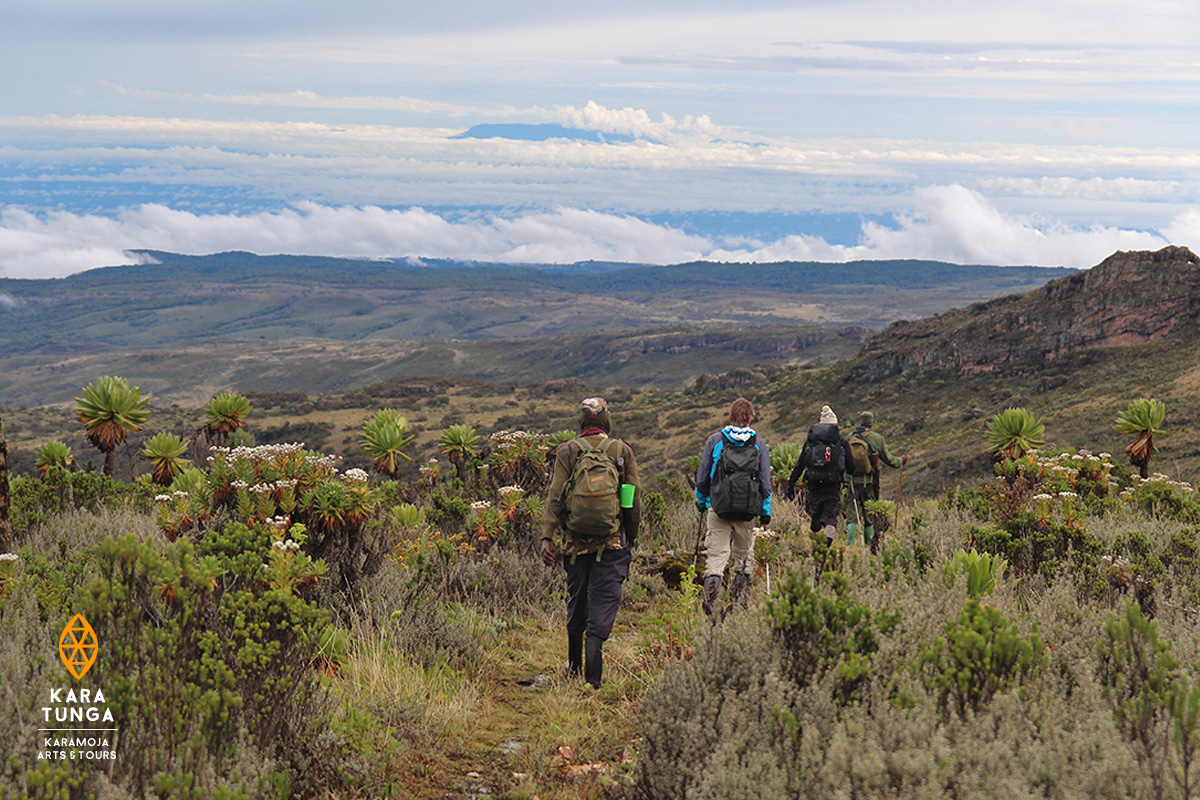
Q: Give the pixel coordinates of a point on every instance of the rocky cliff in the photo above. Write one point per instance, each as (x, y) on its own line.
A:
(1129, 298)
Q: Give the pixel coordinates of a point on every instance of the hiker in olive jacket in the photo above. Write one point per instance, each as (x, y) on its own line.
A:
(865, 478)
(824, 462)
(596, 568)
(730, 520)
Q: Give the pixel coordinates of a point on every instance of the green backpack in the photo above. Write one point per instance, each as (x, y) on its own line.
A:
(592, 496)
(861, 450)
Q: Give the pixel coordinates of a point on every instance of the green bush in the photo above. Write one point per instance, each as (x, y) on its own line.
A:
(980, 654)
(209, 667)
(822, 632)
(36, 501)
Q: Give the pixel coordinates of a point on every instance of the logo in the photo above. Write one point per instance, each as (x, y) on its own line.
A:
(77, 647)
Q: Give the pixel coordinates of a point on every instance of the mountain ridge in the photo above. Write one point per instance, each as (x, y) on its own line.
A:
(1129, 298)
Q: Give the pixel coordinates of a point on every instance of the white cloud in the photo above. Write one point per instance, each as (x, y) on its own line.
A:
(947, 223)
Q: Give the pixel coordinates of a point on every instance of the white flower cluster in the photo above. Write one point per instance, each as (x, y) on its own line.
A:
(356, 475)
(507, 490)
(287, 546)
(262, 489)
(280, 523)
(1068, 495)
(9, 556)
(1043, 497)
(481, 505)
(326, 462)
(763, 533)
(262, 452)
(1159, 477)
(508, 440)
(162, 498)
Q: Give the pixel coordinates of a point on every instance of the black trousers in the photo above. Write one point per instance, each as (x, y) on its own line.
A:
(594, 588)
(824, 502)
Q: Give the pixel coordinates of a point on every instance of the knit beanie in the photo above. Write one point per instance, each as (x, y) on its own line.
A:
(866, 419)
(827, 416)
(593, 412)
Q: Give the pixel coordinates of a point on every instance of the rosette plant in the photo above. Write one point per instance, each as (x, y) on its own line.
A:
(1141, 419)
(460, 444)
(53, 454)
(384, 437)
(225, 414)
(109, 409)
(1014, 432)
(783, 458)
(165, 452)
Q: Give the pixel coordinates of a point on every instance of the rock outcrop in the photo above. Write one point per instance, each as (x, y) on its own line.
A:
(1129, 298)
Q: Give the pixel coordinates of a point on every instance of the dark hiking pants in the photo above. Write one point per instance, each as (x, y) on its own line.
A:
(824, 503)
(595, 590)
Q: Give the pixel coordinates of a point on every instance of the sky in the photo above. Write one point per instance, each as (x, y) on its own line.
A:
(1048, 133)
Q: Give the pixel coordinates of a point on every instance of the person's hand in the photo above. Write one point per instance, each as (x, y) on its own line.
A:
(549, 557)
(764, 520)
(703, 509)
(789, 491)
(904, 459)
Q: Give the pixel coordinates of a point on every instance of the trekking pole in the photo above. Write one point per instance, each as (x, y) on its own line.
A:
(857, 515)
(899, 488)
(699, 538)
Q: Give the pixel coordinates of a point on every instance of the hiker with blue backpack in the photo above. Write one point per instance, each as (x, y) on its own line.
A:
(593, 509)
(733, 487)
(824, 462)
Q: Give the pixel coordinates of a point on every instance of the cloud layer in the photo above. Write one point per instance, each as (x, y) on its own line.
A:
(947, 223)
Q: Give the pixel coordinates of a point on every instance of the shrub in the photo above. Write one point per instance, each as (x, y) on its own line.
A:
(980, 654)
(821, 632)
(34, 502)
(208, 667)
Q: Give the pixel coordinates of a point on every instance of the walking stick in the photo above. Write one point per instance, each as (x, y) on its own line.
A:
(699, 538)
(857, 514)
(899, 488)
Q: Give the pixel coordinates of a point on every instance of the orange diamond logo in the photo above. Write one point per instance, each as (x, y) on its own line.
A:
(77, 647)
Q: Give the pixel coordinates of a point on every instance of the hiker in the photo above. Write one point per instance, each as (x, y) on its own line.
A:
(733, 486)
(869, 450)
(590, 507)
(824, 462)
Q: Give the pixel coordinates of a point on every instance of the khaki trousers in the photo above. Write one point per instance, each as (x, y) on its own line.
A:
(723, 536)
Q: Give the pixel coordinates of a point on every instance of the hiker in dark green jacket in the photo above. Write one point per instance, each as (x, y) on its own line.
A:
(865, 479)
(596, 567)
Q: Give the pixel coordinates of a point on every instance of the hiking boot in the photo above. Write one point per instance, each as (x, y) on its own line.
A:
(739, 590)
(593, 669)
(574, 654)
(869, 536)
(711, 599)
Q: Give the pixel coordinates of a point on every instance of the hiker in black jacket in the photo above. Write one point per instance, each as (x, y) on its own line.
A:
(824, 462)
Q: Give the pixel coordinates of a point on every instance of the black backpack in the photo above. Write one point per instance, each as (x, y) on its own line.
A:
(824, 461)
(736, 490)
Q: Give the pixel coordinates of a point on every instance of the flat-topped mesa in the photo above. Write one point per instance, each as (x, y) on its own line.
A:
(1129, 298)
